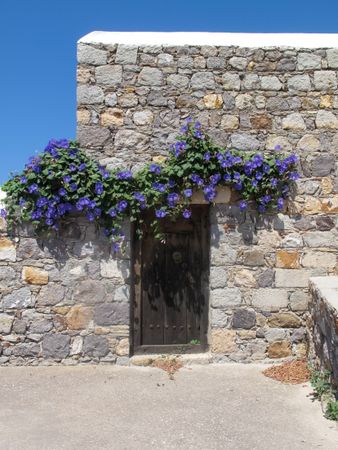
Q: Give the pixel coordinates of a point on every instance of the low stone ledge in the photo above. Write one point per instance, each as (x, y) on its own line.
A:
(323, 324)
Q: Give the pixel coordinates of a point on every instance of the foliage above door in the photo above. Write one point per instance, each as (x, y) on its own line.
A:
(63, 180)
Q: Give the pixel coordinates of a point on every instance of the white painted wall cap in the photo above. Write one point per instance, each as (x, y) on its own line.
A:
(295, 40)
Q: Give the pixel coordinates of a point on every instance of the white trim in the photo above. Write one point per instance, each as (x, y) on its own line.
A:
(298, 40)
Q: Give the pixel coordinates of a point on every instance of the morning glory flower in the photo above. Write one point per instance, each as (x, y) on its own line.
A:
(23, 179)
(140, 197)
(280, 203)
(122, 205)
(112, 212)
(3, 213)
(33, 188)
(293, 176)
(82, 166)
(67, 179)
(124, 175)
(159, 186)
(160, 213)
(243, 205)
(196, 179)
(154, 168)
(186, 213)
(73, 187)
(172, 199)
(187, 193)
(99, 188)
(261, 208)
(72, 167)
(62, 192)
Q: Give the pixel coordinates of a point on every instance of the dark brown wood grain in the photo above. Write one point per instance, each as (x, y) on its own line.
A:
(170, 304)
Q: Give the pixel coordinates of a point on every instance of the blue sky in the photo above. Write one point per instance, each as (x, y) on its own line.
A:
(38, 51)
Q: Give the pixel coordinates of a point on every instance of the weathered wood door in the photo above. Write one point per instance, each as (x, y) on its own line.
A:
(171, 285)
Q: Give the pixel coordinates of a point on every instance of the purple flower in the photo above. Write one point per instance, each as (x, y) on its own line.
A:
(227, 177)
(49, 221)
(266, 168)
(273, 182)
(139, 197)
(207, 156)
(41, 201)
(261, 209)
(90, 216)
(62, 192)
(184, 129)
(172, 199)
(243, 205)
(112, 212)
(187, 193)
(72, 167)
(122, 205)
(116, 247)
(198, 134)
(186, 213)
(3, 213)
(82, 166)
(124, 175)
(171, 183)
(254, 183)
(293, 176)
(67, 179)
(238, 186)
(160, 213)
(209, 193)
(266, 199)
(258, 175)
(33, 188)
(188, 120)
(99, 188)
(159, 186)
(36, 215)
(277, 148)
(198, 125)
(154, 168)
(179, 147)
(280, 203)
(196, 179)
(73, 187)
(23, 179)
(22, 202)
(214, 179)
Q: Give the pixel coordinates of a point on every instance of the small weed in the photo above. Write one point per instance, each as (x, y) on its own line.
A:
(195, 342)
(320, 381)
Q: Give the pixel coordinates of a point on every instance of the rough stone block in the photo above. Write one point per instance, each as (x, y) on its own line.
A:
(325, 80)
(141, 118)
(332, 58)
(55, 346)
(79, 317)
(126, 54)
(89, 95)
(51, 295)
(308, 61)
(34, 275)
(323, 165)
(321, 239)
(244, 278)
(87, 54)
(6, 322)
(219, 318)
(150, 76)
(326, 119)
(223, 341)
(7, 250)
(40, 326)
(89, 292)
(299, 83)
(213, 101)
(229, 122)
(20, 298)
(271, 83)
(224, 298)
(231, 82)
(244, 318)
(112, 314)
(279, 349)
(178, 81)
(218, 277)
(270, 299)
(202, 80)
(284, 320)
(122, 347)
(109, 75)
(287, 259)
(293, 277)
(95, 346)
(319, 259)
(274, 334)
(299, 301)
(294, 122)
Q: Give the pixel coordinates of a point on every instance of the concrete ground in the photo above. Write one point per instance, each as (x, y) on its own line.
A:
(232, 407)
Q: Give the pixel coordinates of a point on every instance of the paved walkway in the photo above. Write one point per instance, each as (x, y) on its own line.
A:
(231, 407)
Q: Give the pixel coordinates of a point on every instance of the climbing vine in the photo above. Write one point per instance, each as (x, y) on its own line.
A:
(63, 180)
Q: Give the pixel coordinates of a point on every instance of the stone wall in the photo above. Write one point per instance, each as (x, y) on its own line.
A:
(63, 298)
(323, 324)
(132, 100)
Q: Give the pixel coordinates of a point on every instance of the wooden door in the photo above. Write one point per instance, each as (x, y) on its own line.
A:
(171, 285)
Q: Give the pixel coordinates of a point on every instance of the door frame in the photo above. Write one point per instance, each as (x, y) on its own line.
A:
(136, 294)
